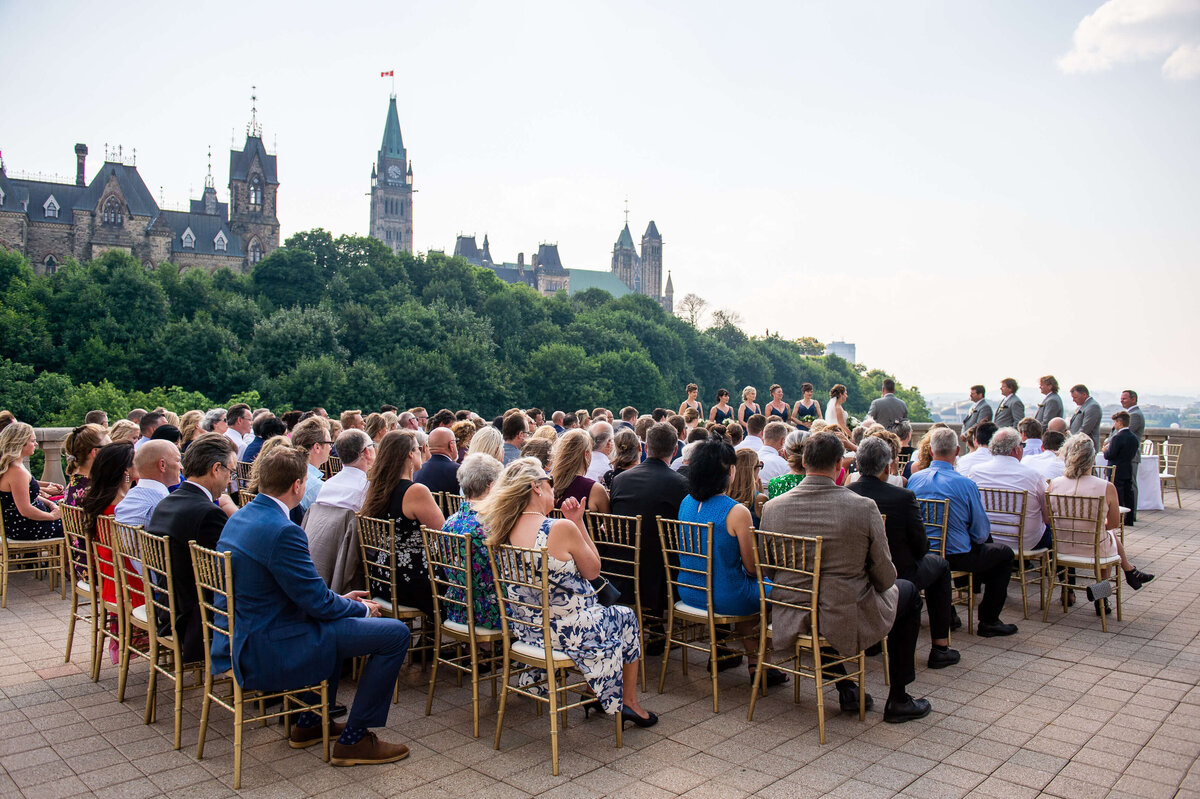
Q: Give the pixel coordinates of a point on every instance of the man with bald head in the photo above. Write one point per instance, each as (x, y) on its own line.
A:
(440, 472)
(1057, 425)
(158, 467)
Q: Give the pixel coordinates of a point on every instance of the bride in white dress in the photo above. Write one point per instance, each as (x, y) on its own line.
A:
(834, 413)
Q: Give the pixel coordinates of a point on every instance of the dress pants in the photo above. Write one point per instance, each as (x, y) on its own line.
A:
(902, 638)
(992, 566)
(386, 641)
(1127, 496)
(932, 575)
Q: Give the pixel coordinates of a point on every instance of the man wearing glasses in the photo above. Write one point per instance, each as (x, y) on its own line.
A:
(312, 436)
(331, 524)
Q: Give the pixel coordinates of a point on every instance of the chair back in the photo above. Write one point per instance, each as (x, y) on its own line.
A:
(451, 503)
(332, 466)
(935, 513)
(1148, 447)
(686, 550)
(1104, 472)
(902, 461)
(619, 541)
(1076, 522)
(245, 497)
(158, 578)
(449, 557)
(104, 556)
(243, 471)
(791, 566)
(522, 588)
(377, 543)
(213, 572)
(1170, 457)
(127, 552)
(77, 536)
(1006, 512)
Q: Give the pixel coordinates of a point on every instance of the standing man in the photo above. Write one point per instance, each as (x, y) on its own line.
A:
(1119, 453)
(888, 408)
(1086, 418)
(1011, 410)
(1137, 426)
(980, 411)
(1051, 406)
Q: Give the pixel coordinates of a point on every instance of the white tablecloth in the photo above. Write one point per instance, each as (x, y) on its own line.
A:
(1148, 483)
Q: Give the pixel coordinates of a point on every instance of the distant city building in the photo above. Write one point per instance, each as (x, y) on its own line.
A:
(544, 273)
(642, 273)
(842, 349)
(391, 187)
(49, 221)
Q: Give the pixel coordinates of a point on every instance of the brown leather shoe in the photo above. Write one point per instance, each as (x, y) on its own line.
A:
(307, 736)
(369, 751)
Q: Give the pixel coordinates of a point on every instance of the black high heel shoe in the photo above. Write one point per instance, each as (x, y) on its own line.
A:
(595, 705)
(628, 714)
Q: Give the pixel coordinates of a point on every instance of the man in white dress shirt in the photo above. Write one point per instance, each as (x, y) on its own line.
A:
(348, 488)
(158, 467)
(239, 420)
(754, 429)
(771, 454)
(331, 523)
(602, 448)
(983, 437)
(1005, 470)
(1047, 463)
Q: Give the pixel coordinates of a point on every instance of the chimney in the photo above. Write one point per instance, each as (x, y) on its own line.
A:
(80, 158)
(520, 259)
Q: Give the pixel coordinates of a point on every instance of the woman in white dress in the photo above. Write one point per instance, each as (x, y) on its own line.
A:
(835, 414)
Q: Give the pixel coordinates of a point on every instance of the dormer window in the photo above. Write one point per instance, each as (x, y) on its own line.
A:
(220, 243)
(51, 207)
(113, 213)
(189, 240)
(256, 251)
(256, 191)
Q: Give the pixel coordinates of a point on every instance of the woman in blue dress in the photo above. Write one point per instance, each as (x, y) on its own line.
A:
(693, 391)
(806, 407)
(735, 588)
(722, 410)
(776, 408)
(748, 407)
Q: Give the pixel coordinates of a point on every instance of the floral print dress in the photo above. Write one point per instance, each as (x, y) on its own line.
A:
(601, 640)
(485, 608)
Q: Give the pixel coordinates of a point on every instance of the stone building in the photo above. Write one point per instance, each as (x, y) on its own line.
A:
(544, 273)
(391, 187)
(49, 221)
(642, 273)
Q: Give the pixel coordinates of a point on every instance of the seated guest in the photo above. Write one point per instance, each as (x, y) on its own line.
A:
(476, 476)
(158, 465)
(191, 514)
(909, 546)
(26, 516)
(603, 641)
(735, 434)
(1031, 436)
(569, 461)
(793, 450)
(123, 430)
(81, 446)
(735, 589)
(331, 522)
(264, 427)
(626, 453)
(980, 439)
(629, 416)
(680, 464)
(558, 417)
(169, 433)
(745, 487)
(538, 448)
(375, 426)
(1006, 471)
(893, 441)
(771, 454)
(393, 495)
(290, 419)
(96, 417)
(903, 431)
(681, 431)
(312, 436)
(1077, 480)
(754, 430)
(463, 431)
(439, 472)
(969, 545)
(1120, 451)
(602, 450)
(147, 425)
(1048, 462)
(861, 598)
(515, 430)
(488, 441)
(278, 590)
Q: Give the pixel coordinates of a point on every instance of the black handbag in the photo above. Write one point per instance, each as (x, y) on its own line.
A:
(606, 593)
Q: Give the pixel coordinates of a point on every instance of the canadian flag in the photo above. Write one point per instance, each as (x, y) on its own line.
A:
(389, 73)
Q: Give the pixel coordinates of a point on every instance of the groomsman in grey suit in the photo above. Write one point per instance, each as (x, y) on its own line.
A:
(980, 411)
(1010, 410)
(1051, 407)
(1086, 418)
(1137, 426)
(888, 409)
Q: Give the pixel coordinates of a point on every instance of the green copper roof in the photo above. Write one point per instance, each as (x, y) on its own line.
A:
(584, 279)
(393, 142)
(625, 240)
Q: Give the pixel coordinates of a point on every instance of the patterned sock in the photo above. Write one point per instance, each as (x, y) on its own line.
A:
(351, 735)
(307, 719)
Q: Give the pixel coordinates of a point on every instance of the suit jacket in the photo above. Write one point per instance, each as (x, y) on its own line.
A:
(652, 488)
(888, 409)
(858, 580)
(1086, 420)
(981, 412)
(1010, 411)
(1137, 426)
(187, 515)
(280, 640)
(1120, 453)
(905, 530)
(439, 473)
(332, 535)
(1049, 408)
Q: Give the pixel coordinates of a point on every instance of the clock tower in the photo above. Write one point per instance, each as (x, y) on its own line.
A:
(391, 188)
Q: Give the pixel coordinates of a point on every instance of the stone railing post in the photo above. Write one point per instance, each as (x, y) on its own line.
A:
(51, 439)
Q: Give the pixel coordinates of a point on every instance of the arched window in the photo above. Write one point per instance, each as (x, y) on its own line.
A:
(401, 209)
(113, 214)
(256, 191)
(51, 264)
(256, 251)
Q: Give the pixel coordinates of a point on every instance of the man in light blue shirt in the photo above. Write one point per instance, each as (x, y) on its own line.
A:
(158, 465)
(969, 544)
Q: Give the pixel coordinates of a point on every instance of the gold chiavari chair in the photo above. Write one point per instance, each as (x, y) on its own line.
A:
(619, 541)
(450, 557)
(243, 472)
(935, 513)
(138, 625)
(1170, 469)
(215, 590)
(40, 557)
(1148, 448)
(902, 462)
(791, 566)
(523, 589)
(687, 549)
(107, 577)
(451, 503)
(332, 466)
(245, 497)
(1078, 527)
(81, 573)
(1104, 472)
(1006, 511)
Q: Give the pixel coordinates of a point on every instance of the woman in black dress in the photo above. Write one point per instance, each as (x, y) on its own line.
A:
(722, 410)
(26, 517)
(776, 408)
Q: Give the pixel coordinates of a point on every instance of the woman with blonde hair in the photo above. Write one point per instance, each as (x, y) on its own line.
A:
(602, 641)
(570, 459)
(489, 441)
(123, 430)
(745, 487)
(1079, 456)
(189, 427)
(793, 451)
(376, 426)
(26, 517)
(748, 407)
(81, 446)
(547, 432)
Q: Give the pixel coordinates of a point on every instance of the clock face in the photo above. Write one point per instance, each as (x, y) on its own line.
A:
(394, 174)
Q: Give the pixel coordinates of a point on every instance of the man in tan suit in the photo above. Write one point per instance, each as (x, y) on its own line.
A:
(861, 599)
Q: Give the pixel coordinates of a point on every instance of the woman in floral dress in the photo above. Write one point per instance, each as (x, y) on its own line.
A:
(475, 477)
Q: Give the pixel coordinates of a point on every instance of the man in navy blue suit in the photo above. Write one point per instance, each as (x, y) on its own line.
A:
(440, 472)
(292, 631)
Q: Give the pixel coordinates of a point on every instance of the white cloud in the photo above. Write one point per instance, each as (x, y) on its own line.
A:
(1122, 31)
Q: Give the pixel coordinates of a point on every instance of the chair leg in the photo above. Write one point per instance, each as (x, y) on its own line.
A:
(970, 603)
(553, 691)
(205, 707)
(1103, 615)
(71, 625)
(620, 730)
(662, 675)
(758, 673)
(123, 645)
(1117, 580)
(4, 584)
(437, 641)
(238, 715)
(474, 691)
(178, 707)
(1024, 590)
(887, 664)
(152, 684)
(712, 662)
(818, 679)
(503, 700)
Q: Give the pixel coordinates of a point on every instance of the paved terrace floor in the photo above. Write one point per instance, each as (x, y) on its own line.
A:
(1059, 709)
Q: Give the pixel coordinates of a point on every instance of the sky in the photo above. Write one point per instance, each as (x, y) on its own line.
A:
(967, 191)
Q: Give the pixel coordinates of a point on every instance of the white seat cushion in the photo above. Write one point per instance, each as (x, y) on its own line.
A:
(1082, 561)
(461, 629)
(520, 649)
(692, 610)
(403, 610)
(139, 613)
(83, 586)
(1033, 553)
